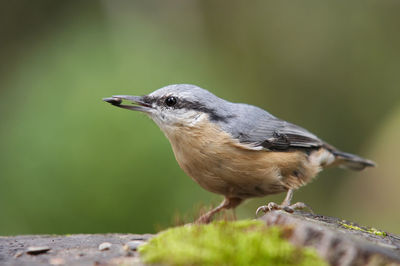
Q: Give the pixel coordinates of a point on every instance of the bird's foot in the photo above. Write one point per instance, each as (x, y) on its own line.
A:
(287, 208)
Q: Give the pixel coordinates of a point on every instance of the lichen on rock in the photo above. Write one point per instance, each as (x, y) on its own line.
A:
(370, 230)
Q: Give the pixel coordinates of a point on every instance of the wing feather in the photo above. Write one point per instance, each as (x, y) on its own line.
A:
(259, 129)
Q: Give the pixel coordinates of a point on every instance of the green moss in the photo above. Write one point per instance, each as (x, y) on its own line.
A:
(369, 230)
(226, 243)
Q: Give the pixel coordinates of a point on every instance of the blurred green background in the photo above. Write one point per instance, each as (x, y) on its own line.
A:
(70, 163)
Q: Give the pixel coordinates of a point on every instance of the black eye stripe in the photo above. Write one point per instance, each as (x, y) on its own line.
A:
(185, 104)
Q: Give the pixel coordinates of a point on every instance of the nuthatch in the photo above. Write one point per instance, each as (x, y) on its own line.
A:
(237, 150)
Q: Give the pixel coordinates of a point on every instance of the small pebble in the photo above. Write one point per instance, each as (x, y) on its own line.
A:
(57, 261)
(104, 246)
(18, 254)
(133, 245)
(37, 250)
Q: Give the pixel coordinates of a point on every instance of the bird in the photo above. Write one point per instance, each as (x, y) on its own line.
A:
(237, 150)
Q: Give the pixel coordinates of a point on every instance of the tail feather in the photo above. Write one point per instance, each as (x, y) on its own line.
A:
(351, 161)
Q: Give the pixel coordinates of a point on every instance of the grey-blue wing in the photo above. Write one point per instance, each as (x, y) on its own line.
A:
(261, 130)
(281, 135)
(255, 126)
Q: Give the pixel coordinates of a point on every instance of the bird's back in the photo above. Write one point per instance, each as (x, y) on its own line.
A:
(261, 130)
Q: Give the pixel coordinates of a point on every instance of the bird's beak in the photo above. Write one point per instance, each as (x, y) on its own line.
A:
(137, 101)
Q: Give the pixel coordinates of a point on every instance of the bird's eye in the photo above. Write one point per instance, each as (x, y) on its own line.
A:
(170, 101)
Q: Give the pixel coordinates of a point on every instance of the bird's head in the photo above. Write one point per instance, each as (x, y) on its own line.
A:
(174, 106)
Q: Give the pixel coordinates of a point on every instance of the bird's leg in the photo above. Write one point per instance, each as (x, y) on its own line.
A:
(288, 198)
(234, 214)
(227, 203)
(284, 206)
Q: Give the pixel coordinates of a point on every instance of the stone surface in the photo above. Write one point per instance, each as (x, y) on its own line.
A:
(69, 250)
(338, 241)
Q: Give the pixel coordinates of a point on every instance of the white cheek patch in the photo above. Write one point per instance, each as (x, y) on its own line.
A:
(170, 120)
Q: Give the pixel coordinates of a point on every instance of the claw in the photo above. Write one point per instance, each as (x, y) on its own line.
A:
(262, 209)
(267, 208)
